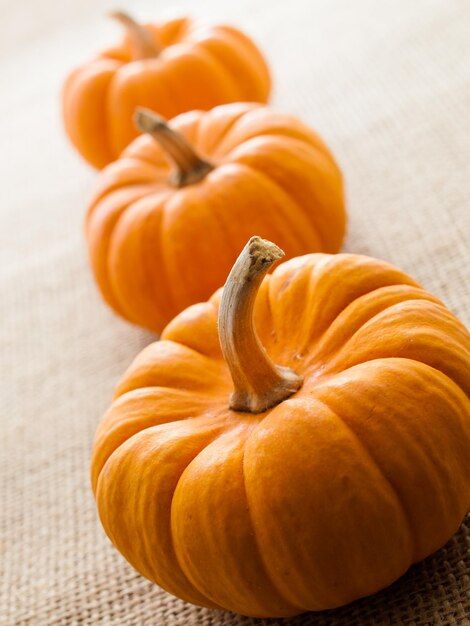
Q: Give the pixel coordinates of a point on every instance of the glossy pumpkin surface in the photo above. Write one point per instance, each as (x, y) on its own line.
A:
(171, 67)
(157, 247)
(329, 495)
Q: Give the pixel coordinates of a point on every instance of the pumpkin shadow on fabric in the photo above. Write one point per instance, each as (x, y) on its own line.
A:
(434, 591)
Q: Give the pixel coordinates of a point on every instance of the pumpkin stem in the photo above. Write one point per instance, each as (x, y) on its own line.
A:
(190, 167)
(258, 383)
(142, 42)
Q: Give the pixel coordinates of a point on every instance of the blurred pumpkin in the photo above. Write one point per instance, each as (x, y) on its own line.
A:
(324, 477)
(163, 237)
(172, 67)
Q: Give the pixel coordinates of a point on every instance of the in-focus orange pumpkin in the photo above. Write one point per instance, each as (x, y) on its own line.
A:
(171, 67)
(163, 237)
(268, 489)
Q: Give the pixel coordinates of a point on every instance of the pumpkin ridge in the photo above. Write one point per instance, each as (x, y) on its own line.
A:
(161, 352)
(265, 292)
(240, 87)
(300, 132)
(213, 147)
(331, 596)
(171, 507)
(149, 185)
(309, 296)
(103, 198)
(126, 89)
(153, 388)
(283, 134)
(444, 314)
(392, 488)
(332, 374)
(149, 565)
(242, 428)
(167, 258)
(304, 211)
(187, 53)
(83, 75)
(448, 503)
(97, 201)
(114, 421)
(104, 246)
(386, 307)
(170, 296)
(383, 275)
(201, 138)
(291, 224)
(143, 159)
(203, 52)
(226, 29)
(232, 141)
(252, 58)
(108, 117)
(260, 552)
(314, 158)
(114, 251)
(219, 217)
(207, 342)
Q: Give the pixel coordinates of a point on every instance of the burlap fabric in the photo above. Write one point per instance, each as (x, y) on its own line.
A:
(388, 86)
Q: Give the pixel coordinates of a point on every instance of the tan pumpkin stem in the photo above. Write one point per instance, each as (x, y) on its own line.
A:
(142, 43)
(190, 167)
(258, 383)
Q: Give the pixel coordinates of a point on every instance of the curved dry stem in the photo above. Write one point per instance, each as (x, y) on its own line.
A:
(190, 167)
(142, 43)
(259, 384)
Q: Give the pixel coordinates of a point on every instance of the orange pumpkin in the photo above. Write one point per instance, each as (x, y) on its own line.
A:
(324, 477)
(154, 231)
(171, 67)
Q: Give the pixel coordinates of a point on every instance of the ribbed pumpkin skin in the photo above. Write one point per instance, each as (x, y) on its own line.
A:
(153, 246)
(327, 497)
(199, 67)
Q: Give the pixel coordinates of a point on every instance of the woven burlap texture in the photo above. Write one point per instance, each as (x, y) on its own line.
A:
(388, 86)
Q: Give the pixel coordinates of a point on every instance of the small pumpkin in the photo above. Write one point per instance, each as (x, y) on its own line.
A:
(303, 474)
(172, 67)
(154, 229)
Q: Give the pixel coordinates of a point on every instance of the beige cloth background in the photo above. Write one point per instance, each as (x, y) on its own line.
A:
(388, 86)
